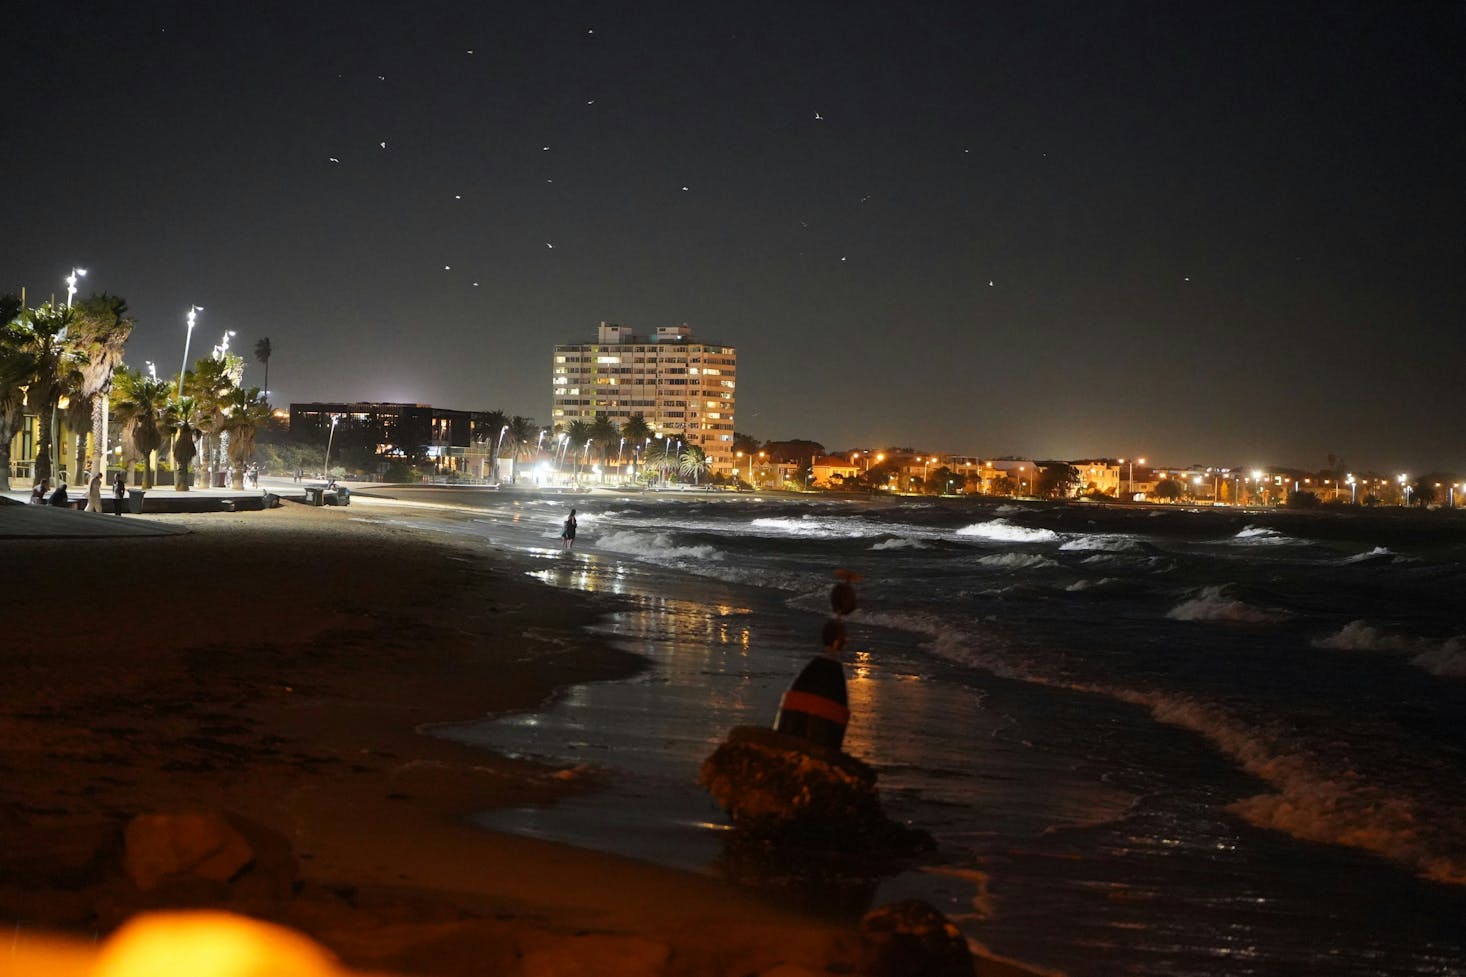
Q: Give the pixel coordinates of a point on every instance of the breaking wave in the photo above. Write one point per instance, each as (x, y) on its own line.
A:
(1215, 604)
(1005, 532)
(655, 547)
(1017, 561)
(1101, 543)
(901, 543)
(1444, 658)
(1263, 536)
(1379, 554)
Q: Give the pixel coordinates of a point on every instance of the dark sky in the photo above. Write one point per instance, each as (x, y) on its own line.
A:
(1217, 233)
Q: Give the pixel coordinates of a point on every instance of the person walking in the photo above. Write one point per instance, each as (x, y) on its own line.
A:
(568, 533)
(119, 491)
(94, 493)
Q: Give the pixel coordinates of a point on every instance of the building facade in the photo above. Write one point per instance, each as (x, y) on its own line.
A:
(416, 433)
(682, 389)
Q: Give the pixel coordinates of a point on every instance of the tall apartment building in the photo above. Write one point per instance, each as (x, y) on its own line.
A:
(683, 389)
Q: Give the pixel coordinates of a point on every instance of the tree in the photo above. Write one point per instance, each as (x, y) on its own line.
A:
(1169, 489)
(40, 338)
(578, 436)
(522, 430)
(211, 384)
(603, 432)
(746, 443)
(636, 429)
(17, 366)
(262, 353)
(694, 461)
(138, 403)
(100, 333)
(179, 419)
(1057, 481)
(244, 413)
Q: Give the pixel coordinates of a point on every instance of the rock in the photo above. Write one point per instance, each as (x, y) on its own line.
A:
(912, 939)
(211, 847)
(784, 787)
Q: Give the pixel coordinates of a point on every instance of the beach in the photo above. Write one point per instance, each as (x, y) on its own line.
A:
(279, 666)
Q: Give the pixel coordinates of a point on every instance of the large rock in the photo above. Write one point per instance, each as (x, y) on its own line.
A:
(912, 939)
(778, 786)
(212, 846)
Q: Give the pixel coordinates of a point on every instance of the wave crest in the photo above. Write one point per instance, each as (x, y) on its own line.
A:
(1216, 604)
(1005, 532)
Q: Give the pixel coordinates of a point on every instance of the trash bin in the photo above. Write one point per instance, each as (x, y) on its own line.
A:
(313, 494)
(219, 480)
(343, 495)
(135, 501)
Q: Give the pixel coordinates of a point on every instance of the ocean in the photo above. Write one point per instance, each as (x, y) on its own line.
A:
(1148, 740)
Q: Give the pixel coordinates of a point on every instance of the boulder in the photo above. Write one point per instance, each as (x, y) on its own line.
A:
(776, 786)
(212, 846)
(912, 939)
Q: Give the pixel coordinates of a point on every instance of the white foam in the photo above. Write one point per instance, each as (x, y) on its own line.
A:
(1213, 604)
(1004, 531)
(1444, 658)
(902, 543)
(1100, 542)
(654, 547)
(1079, 586)
(1017, 561)
(1263, 536)
(1378, 553)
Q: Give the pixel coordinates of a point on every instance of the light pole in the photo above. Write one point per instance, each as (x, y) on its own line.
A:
(329, 438)
(71, 283)
(1353, 489)
(192, 320)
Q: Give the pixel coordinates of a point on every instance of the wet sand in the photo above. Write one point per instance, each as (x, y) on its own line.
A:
(279, 665)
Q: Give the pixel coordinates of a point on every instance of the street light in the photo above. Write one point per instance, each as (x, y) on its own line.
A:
(1353, 489)
(71, 283)
(191, 319)
(331, 437)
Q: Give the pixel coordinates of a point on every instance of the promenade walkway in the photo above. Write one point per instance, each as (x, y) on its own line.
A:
(19, 520)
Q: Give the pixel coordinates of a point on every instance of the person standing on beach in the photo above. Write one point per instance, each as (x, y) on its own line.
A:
(94, 493)
(119, 491)
(568, 533)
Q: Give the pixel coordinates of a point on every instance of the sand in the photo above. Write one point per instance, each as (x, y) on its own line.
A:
(279, 665)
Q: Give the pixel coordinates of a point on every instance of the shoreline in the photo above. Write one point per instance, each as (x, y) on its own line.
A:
(285, 666)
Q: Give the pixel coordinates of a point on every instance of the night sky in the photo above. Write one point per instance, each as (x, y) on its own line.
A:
(1219, 233)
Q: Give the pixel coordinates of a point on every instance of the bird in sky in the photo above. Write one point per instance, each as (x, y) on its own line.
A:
(383, 144)
(332, 159)
(549, 245)
(818, 117)
(991, 283)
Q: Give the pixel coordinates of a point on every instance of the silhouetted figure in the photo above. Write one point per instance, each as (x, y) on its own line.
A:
(815, 708)
(58, 497)
(568, 533)
(119, 492)
(38, 492)
(94, 493)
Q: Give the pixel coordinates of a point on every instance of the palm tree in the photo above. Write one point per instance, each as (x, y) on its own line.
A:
(245, 412)
(578, 433)
(694, 461)
(262, 353)
(40, 338)
(17, 366)
(100, 333)
(138, 403)
(212, 384)
(604, 432)
(521, 430)
(179, 417)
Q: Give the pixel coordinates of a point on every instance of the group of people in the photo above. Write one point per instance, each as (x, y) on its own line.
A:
(42, 494)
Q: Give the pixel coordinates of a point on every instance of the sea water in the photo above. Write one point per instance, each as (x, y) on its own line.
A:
(1147, 740)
